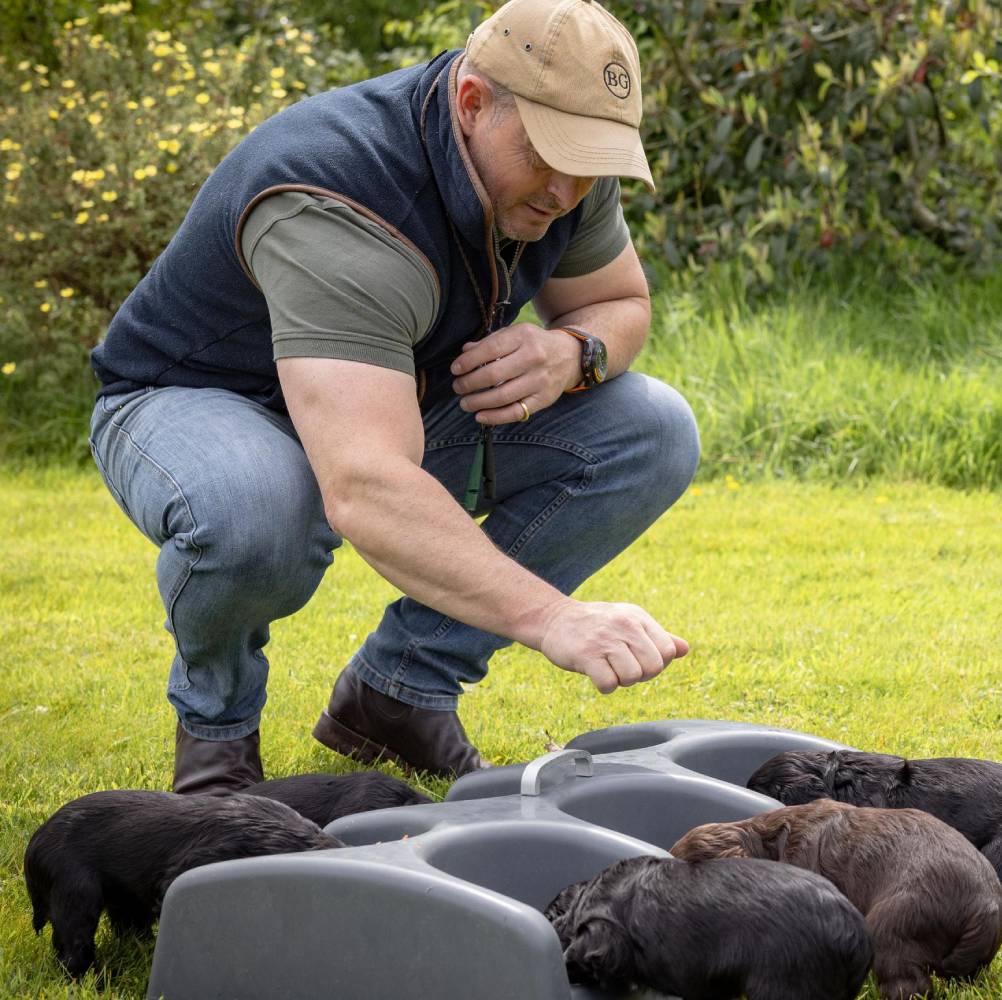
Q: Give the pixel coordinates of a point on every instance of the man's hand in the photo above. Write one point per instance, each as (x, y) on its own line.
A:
(519, 362)
(615, 645)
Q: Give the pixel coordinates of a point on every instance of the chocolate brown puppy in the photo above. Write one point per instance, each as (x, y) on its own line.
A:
(324, 798)
(964, 793)
(931, 901)
(120, 850)
(713, 931)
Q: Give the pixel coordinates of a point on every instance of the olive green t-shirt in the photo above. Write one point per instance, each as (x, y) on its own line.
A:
(339, 285)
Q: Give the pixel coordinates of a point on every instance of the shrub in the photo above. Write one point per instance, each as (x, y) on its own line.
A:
(98, 165)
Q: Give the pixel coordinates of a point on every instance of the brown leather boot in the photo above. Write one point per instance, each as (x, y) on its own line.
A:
(365, 724)
(215, 766)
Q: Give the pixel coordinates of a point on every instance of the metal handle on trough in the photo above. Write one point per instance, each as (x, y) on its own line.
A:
(533, 773)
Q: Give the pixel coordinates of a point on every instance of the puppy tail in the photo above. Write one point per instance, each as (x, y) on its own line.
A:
(976, 946)
(38, 895)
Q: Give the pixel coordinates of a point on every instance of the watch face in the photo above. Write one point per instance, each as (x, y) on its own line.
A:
(599, 361)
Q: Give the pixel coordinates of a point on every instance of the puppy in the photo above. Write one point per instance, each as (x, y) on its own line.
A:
(965, 794)
(931, 901)
(713, 931)
(324, 798)
(120, 850)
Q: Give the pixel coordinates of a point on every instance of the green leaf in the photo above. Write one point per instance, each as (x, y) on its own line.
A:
(754, 155)
(723, 130)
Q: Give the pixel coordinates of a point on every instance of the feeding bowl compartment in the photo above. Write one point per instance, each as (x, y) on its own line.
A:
(445, 901)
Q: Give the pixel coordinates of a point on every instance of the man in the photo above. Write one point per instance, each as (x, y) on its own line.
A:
(258, 397)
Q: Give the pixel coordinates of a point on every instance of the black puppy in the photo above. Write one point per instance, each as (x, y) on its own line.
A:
(120, 850)
(963, 793)
(324, 798)
(713, 930)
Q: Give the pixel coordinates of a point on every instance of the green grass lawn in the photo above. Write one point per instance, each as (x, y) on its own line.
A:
(869, 615)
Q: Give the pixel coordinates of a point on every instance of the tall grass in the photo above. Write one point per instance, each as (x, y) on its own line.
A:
(841, 377)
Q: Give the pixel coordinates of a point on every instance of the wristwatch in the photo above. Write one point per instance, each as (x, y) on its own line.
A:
(594, 358)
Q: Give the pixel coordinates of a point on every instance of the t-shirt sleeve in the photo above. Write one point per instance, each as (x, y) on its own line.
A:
(338, 284)
(602, 234)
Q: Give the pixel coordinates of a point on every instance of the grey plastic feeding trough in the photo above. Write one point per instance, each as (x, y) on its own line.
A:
(445, 900)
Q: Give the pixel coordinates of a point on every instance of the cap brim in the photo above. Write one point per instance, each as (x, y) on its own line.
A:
(583, 146)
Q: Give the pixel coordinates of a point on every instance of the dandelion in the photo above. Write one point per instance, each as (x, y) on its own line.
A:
(212, 68)
(103, 217)
(87, 204)
(26, 86)
(131, 105)
(277, 73)
(19, 237)
(81, 218)
(66, 293)
(202, 98)
(109, 195)
(45, 307)
(148, 102)
(41, 283)
(35, 236)
(68, 84)
(279, 92)
(14, 171)
(696, 491)
(39, 68)
(174, 90)
(54, 114)
(162, 50)
(95, 118)
(9, 368)
(198, 127)
(731, 483)
(171, 167)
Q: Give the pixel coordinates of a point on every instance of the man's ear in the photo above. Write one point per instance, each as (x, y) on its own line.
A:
(473, 99)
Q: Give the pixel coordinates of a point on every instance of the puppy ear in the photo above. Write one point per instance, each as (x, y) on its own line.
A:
(601, 950)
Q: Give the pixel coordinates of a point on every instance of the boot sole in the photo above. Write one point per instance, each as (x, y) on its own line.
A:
(342, 740)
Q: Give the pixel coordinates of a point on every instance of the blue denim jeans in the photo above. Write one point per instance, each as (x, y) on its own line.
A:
(222, 486)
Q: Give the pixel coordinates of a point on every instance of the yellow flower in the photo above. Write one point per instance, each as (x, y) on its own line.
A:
(277, 73)
(202, 98)
(197, 127)
(95, 118)
(162, 50)
(66, 293)
(87, 204)
(54, 114)
(279, 92)
(14, 171)
(109, 195)
(103, 217)
(26, 86)
(23, 65)
(9, 368)
(212, 68)
(234, 123)
(696, 491)
(45, 307)
(171, 167)
(35, 235)
(39, 68)
(68, 84)
(131, 105)
(81, 218)
(881, 499)
(19, 236)
(174, 90)
(148, 102)
(41, 283)
(69, 104)
(8, 144)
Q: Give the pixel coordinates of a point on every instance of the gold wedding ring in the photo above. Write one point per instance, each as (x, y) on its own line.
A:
(525, 412)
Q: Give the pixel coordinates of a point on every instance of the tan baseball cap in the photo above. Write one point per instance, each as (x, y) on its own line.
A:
(575, 74)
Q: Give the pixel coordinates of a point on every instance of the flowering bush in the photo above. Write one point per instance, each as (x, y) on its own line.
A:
(98, 165)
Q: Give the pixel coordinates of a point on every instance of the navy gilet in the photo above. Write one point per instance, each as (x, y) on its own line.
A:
(387, 145)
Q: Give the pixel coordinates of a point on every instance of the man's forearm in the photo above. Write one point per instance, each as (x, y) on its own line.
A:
(412, 532)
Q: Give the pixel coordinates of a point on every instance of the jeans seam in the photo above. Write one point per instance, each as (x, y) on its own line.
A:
(175, 591)
(511, 438)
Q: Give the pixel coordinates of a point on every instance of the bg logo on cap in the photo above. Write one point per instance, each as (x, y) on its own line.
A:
(617, 80)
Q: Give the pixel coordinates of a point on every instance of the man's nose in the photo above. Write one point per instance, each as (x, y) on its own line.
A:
(566, 189)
